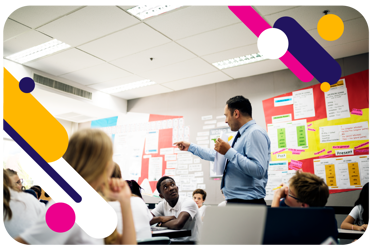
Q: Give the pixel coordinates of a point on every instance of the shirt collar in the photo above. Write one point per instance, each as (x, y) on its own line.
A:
(169, 208)
(245, 126)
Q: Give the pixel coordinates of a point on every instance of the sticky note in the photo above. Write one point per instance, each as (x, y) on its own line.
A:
(357, 112)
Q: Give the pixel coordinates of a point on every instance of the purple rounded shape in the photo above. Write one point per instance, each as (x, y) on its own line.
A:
(27, 85)
(60, 217)
(309, 52)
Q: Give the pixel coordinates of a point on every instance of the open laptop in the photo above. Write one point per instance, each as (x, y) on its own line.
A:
(300, 225)
(233, 224)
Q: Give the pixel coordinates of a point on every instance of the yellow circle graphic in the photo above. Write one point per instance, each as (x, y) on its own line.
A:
(330, 27)
(325, 87)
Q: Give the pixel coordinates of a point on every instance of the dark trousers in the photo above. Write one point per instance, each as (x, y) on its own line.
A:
(240, 201)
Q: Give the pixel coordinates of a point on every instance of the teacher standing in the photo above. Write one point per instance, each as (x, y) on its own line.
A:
(245, 174)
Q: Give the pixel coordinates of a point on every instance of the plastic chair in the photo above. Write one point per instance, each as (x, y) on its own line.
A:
(155, 241)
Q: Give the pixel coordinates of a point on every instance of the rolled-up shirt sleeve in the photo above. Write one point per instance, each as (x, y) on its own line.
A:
(254, 162)
(203, 153)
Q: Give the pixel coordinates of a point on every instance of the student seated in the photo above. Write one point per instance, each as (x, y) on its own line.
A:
(305, 190)
(141, 213)
(15, 180)
(199, 196)
(358, 217)
(90, 153)
(176, 212)
(21, 210)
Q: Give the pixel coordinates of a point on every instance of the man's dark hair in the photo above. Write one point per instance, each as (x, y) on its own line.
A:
(241, 103)
(161, 180)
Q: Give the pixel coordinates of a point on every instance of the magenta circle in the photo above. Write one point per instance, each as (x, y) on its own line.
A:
(60, 217)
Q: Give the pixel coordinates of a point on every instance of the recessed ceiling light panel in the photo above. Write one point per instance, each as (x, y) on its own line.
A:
(129, 86)
(38, 51)
(146, 11)
(247, 59)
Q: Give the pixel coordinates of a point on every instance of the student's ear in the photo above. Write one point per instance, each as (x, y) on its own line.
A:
(305, 205)
(161, 196)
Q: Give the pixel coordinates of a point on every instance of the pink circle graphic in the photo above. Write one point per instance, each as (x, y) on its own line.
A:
(60, 217)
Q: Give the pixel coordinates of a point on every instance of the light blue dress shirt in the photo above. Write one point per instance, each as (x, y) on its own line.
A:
(246, 173)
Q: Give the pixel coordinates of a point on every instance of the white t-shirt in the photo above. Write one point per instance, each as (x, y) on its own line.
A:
(141, 217)
(202, 211)
(356, 213)
(222, 204)
(184, 204)
(41, 234)
(25, 212)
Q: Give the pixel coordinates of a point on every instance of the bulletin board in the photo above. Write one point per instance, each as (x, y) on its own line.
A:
(357, 87)
(143, 148)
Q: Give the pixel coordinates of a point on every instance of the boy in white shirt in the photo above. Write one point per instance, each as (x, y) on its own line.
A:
(176, 212)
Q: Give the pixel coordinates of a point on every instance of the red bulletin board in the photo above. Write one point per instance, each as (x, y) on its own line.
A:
(358, 96)
(165, 141)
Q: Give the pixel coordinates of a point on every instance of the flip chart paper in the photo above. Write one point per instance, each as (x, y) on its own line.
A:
(356, 131)
(152, 140)
(219, 162)
(155, 168)
(303, 104)
(337, 104)
(329, 134)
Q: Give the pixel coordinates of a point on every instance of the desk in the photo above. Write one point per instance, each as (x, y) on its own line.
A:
(172, 233)
(349, 234)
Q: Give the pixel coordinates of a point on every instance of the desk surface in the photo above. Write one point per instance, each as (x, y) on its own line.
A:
(349, 234)
(172, 233)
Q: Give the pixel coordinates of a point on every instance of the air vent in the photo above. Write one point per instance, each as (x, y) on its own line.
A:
(61, 86)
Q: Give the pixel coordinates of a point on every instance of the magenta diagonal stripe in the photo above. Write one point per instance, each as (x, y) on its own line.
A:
(257, 25)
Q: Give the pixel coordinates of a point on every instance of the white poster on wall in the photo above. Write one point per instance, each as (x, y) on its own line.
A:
(152, 142)
(303, 104)
(155, 168)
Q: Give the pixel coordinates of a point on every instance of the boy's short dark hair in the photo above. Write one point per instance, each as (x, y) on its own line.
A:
(161, 180)
(310, 189)
(202, 192)
(241, 103)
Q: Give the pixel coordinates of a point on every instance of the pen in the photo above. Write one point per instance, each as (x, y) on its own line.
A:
(278, 188)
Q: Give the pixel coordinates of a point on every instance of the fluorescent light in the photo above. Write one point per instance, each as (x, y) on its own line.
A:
(129, 86)
(239, 61)
(145, 11)
(38, 51)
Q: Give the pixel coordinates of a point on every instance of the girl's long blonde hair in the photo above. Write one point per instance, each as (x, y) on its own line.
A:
(6, 196)
(89, 151)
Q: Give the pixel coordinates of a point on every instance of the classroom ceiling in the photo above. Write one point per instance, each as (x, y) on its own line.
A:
(110, 47)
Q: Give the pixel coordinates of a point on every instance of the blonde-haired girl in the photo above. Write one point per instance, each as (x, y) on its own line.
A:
(21, 210)
(90, 154)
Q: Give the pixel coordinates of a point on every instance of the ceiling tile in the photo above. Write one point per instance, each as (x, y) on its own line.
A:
(143, 92)
(24, 41)
(185, 69)
(12, 29)
(267, 10)
(201, 80)
(256, 68)
(88, 23)
(125, 42)
(64, 62)
(163, 55)
(309, 16)
(218, 40)
(96, 74)
(201, 19)
(116, 82)
(348, 49)
(232, 53)
(35, 16)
